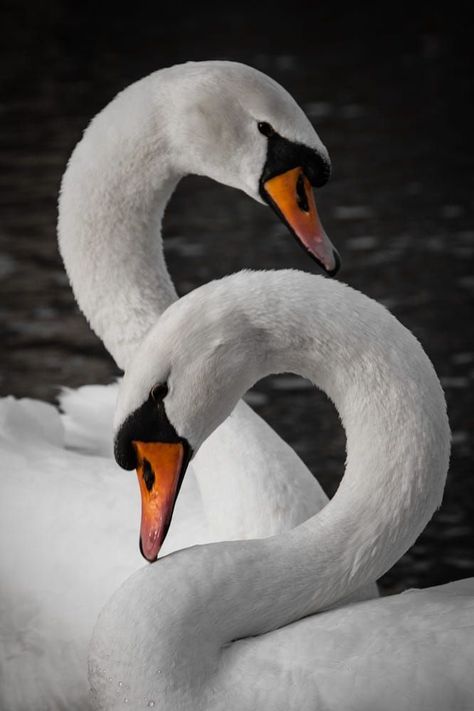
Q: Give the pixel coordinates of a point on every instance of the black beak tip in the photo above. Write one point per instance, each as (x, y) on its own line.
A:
(143, 554)
(337, 260)
(337, 264)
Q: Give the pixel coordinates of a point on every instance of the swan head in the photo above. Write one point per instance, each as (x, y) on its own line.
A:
(184, 380)
(237, 126)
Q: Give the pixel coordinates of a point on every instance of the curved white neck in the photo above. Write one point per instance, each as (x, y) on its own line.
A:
(393, 410)
(197, 118)
(113, 196)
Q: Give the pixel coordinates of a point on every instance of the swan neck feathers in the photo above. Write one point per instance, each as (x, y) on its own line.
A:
(200, 118)
(393, 410)
(112, 200)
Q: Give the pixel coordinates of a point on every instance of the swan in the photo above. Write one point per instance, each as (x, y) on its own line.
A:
(67, 516)
(232, 625)
(220, 119)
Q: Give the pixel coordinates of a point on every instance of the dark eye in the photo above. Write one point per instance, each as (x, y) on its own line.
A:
(266, 129)
(159, 392)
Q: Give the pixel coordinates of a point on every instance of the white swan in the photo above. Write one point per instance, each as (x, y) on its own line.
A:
(167, 637)
(67, 512)
(223, 120)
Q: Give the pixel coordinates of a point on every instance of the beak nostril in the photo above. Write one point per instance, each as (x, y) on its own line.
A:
(148, 475)
(301, 197)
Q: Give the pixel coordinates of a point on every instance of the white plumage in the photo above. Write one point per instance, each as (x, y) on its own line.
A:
(66, 511)
(68, 516)
(200, 118)
(69, 521)
(225, 625)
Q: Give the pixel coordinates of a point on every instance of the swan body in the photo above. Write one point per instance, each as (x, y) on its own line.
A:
(410, 651)
(169, 633)
(59, 555)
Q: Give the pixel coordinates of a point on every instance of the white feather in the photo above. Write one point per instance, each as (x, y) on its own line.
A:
(168, 635)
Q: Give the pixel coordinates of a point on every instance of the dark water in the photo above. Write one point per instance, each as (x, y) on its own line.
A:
(391, 96)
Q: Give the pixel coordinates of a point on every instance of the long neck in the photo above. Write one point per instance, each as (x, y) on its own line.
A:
(393, 410)
(113, 196)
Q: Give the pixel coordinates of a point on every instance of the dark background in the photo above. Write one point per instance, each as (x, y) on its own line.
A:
(391, 94)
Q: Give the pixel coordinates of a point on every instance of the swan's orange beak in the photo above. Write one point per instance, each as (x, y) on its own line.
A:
(160, 470)
(291, 196)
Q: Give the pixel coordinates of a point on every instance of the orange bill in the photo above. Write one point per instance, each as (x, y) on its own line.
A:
(291, 196)
(159, 471)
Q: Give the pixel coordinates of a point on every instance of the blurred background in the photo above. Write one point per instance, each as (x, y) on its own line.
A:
(391, 95)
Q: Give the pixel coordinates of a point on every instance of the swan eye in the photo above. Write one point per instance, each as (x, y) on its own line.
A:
(159, 392)
(266, 129)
